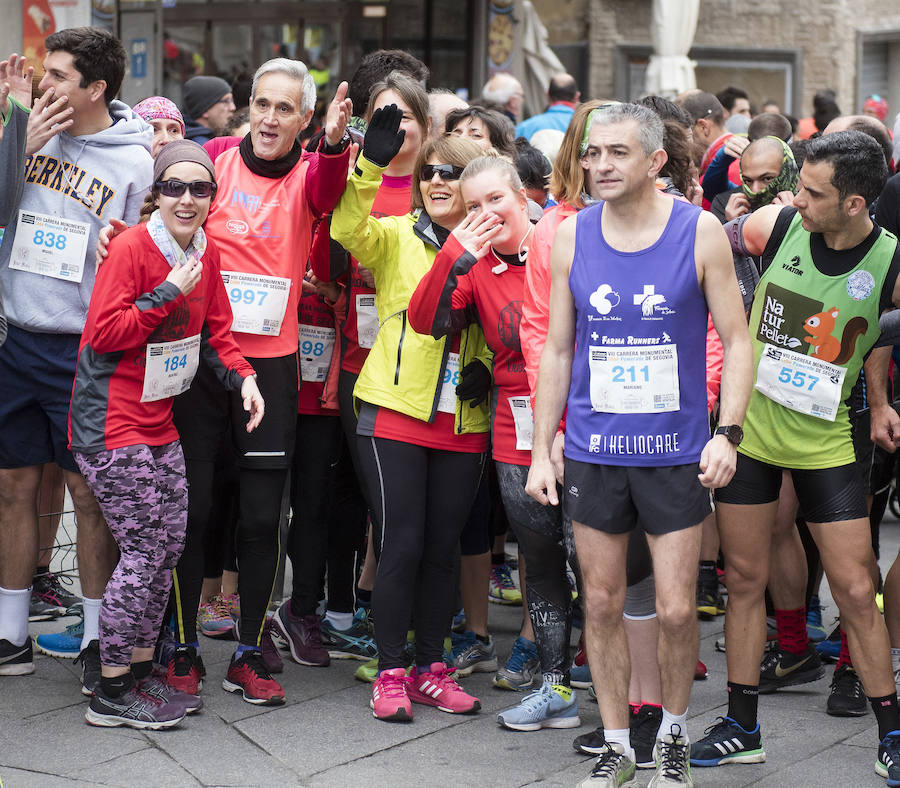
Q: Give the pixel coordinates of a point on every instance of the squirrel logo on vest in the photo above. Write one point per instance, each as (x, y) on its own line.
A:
(826, 347)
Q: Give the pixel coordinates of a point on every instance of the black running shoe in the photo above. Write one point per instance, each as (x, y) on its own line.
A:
(727, 742)
(16, 660)
(783, 669)
(644, 726)
(90, 667)
(847, 698)
(592, 743)
(888, 763)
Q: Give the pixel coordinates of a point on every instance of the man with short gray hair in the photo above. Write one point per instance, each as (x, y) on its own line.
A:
(506, 92)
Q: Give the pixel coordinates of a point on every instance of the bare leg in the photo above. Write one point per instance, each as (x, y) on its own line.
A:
(367, 577)
(51, 500)
(643, 645)
(229, 582)
(18, 525)
(526, 631)
(474, 579)
(211, 586)
(709, 544)
(97, 551)
(787, 559)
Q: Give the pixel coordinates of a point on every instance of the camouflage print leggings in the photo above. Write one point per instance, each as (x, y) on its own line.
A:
(142, 493)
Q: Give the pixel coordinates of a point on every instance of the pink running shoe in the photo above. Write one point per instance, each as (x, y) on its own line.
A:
(436, 688)
(389, 696)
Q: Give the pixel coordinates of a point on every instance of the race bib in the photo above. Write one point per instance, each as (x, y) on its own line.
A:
(50, 246)
(801, 383)
(316, 347)
(170, 368)
(366, 319)
(447, 400)
(634, 379)
(523, 418)
(257, 302)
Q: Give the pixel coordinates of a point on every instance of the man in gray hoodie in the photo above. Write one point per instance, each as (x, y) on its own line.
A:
(97, 169)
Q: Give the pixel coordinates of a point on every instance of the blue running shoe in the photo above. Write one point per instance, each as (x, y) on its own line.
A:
(580, 675)
(552, 706)
(520, 669)
(65, 644)
(727, 742)
(471, 654)
(356, 642)
(459, 622)
(888, 763)
(830, 648)
(814, 629)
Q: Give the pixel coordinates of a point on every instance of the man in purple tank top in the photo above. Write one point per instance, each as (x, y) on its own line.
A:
(634, 279)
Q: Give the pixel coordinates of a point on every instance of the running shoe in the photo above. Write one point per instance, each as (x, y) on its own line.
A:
(613, 769)
(710, 603)
(216, 618)
(846, 698)
(156, 685)
(471, 655)
(435, 687)
(49, 598)
(133, 709)
(879, 603)
(270, 654)
(89, 657)
(16, 660)
(888, 763)
(185, 671)
(368, 671)
(39, 609)
(591, 743)
(65, 644)
(551, 706)
(700, 671)
(165, 646)
(248, 675)
(727, 742)
(519, 671)
(644, 725)
(303, 635)
(829, 650)
(782, 669)
(502, 589)
(459, 622)
(580, 676)
(390, 698)
(814, 629)
(673, 766)
(355, 642)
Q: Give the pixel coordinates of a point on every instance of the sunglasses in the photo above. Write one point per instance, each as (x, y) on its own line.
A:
(448, 172)
(175, 188)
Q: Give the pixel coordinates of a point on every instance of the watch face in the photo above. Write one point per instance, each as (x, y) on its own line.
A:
(732, 432)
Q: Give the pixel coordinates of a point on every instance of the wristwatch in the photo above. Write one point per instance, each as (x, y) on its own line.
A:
(732, 432)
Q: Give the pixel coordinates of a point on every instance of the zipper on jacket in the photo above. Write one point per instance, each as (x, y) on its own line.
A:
(462, 360)
(400, 347)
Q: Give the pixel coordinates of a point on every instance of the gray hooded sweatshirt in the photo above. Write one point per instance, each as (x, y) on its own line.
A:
(92, 179)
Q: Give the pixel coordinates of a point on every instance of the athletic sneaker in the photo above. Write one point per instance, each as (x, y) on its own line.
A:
(49, 599)
(355, 642)
(591, 743)
(89, 657)
(502, 589)
(829, 650)
(303, 635)
(16, 660)
(613, 769)
(551, 706)
(435, 687)
(156, 685)
(710, 603)
(248, 675)
(519, 671)
(39, 609)
(133, 709)
(814, 629)
(727, 742)
(846, 698)
(644, 725)
(65, 644)
(700, 672)
(216, 618)
(165, 646)
(185, 671)
(471, 655)
(673, 766)
(270, 654)
(390, 699)
(783, 669)
(367, 671)
(459, 622)
(888, 763)
(580, 676)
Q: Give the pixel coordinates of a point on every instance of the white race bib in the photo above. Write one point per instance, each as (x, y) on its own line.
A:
(634, 379)
(316, 347)
(802, 383)
(257, 302)
(523, 418)
(447, 400)
(50, 246)
(170, 368)
(366, 319)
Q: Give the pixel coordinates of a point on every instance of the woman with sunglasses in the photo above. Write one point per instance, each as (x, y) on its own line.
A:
(422, 447)
(157, 304)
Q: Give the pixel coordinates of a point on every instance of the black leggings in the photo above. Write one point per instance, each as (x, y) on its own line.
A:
(539, 531)
(422, 497)
(315, 456)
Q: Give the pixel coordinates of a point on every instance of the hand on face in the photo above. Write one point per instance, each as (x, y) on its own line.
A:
(475, 231)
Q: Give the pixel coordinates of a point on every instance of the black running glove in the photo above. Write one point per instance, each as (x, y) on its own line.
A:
(474, 383)
(383, 135)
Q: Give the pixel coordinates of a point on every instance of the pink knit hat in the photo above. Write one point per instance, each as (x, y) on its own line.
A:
(159, 108)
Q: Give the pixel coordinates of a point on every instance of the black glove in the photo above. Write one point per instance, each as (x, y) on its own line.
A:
(383, 136)
(474, 383)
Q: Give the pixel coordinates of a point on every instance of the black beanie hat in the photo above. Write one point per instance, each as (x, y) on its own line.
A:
(200, 93)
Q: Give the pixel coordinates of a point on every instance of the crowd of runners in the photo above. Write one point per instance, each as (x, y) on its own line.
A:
(649, 343)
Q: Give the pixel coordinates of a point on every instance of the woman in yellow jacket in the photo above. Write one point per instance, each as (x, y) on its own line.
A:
(423, 417)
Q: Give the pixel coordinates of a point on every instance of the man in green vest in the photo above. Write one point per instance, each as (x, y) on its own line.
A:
(827, 274)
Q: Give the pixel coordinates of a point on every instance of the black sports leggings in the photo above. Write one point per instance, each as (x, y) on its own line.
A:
(422, 497)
